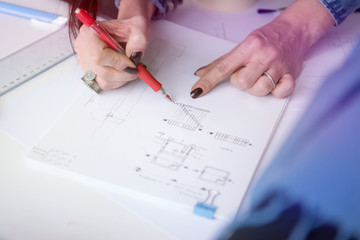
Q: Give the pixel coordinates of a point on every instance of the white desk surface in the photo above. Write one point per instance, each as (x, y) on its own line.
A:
(39, 205)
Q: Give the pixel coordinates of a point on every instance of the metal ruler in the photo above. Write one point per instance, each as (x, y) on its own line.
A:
(34, 59)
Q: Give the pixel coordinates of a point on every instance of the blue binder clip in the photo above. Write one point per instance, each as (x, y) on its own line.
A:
(205, 209)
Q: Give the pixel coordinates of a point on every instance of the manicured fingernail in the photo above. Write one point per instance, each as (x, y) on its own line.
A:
(195, 73)
(136, 57)
(196, 93)
(130, 70)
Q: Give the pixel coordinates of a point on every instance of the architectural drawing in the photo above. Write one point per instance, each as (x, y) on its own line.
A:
(214, 175)
(110, 112)
(187, 117)
(232, 139)
(55, 156)
(183, 153)
(172, 153)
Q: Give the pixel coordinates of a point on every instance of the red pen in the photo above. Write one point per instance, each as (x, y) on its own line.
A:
(143, 73)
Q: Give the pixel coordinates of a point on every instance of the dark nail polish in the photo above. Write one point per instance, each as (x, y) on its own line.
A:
(198, 70)
(196, 93)
(136, 57)
(130, 70)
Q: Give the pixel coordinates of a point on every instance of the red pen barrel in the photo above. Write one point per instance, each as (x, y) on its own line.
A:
(144, 75)
(86, 19)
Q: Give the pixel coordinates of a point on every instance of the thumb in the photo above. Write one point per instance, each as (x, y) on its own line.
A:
(137, 42)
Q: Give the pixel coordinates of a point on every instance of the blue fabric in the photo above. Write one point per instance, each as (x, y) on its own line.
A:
(340, 9)
(161, 6)
(117, 3)
(318, 167)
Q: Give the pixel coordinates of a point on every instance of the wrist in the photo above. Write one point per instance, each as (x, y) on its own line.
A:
(132, 8)
(309, 19)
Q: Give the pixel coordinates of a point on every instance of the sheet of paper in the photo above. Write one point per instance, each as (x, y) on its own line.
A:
(28, 113)
(335, 46)
(131, 139)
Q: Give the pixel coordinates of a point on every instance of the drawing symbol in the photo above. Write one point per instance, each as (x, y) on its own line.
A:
(232, 139)
(214, 175)
(187, 117)
(55, 156)
(172, 154)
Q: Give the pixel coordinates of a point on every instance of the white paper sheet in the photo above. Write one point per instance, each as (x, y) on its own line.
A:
(29, 113)
(131, 139)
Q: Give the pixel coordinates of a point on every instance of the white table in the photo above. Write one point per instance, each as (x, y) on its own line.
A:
(40, 205)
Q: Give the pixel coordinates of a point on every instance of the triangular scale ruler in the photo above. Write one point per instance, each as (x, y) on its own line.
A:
(34, 59)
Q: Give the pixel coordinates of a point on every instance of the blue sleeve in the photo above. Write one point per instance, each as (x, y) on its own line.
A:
(161, 6)
(340, 9)
(313, 183)
(164, 6)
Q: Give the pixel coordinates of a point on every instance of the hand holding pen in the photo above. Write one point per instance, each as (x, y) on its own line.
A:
(113, 68)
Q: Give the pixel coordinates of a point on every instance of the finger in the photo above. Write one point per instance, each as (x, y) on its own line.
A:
(110, 78)
(92, 51)
(284, 87)
(264, 84)
(211, 79)
(246, 77)
(136, 44)
(134, 32)
(215, 73)
(87, 40)
(104, 85)
(204, 69)
(201, 71)
(110, 58)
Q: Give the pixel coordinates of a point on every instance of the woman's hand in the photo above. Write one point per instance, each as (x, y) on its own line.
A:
(131, 29)
(276, 49)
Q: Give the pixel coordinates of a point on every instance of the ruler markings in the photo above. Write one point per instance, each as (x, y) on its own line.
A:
(34, 59)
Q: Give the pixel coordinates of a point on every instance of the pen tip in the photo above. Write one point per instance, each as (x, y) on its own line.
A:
(169, 98)
(166, 95)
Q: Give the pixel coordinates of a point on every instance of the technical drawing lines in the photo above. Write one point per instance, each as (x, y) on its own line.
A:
(172, 154)
(111, 109)
(55, 156)
(187, 117)
(232, 139)
(109, 112)
(214, 175)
